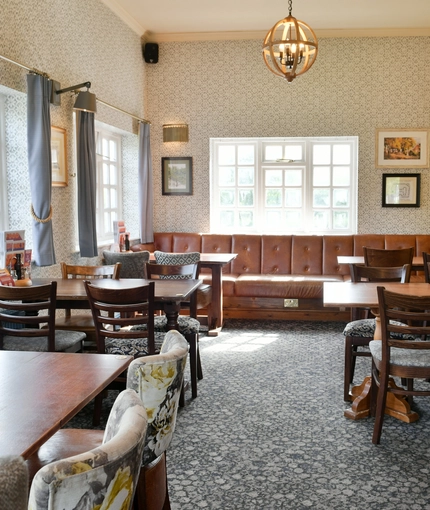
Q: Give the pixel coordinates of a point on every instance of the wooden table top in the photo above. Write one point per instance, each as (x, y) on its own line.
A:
(165, 290)
(417, 262)
(364, 294)
(41, 391)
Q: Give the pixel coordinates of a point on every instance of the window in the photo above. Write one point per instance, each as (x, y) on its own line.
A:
(284, 185)
(109, 189)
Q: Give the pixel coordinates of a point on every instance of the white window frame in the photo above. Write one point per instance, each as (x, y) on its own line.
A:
(4, 211)
(104, 225)
(306, 166)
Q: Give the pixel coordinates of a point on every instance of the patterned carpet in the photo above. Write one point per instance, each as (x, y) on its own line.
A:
(267, 430)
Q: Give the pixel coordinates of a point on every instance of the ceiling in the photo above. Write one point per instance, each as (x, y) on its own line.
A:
(160, 20)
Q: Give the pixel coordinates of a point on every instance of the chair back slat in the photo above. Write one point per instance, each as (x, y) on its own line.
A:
(115, 311)
(387, 258)
(360, 272)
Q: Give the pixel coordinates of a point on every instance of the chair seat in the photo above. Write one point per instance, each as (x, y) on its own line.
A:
(186, 325)
(365, 328)
(402, 357)
(65, 341)
(134, 346)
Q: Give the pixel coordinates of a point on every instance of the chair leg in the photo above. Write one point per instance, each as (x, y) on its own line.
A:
(380, 407)
(192, 340)
(348, 373)
(199, 363)
(182, 396)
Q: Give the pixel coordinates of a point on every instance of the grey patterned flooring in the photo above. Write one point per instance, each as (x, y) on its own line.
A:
(267, 430)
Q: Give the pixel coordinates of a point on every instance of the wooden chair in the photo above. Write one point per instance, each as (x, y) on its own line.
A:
(202, 298)
(396, 357)
(32, 326)
(79, 468)
(387, 258)
(188, 326)
(359, 332)
(124, 325)
(84, 322)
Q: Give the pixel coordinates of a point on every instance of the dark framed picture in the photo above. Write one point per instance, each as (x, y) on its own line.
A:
(177, 176)
(401, 190)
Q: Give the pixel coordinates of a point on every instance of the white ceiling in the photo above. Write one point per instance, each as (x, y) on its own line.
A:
(193, 19)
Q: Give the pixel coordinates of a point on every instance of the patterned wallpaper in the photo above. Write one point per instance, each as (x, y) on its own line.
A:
(72, 42)
(223, 89)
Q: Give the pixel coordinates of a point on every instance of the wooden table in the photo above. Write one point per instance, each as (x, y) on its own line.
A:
(215, 262)
(417, 262)
(364, 295)
(168, 293)
(41, 391)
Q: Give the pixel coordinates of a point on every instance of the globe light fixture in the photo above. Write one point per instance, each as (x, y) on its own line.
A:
(290, 47)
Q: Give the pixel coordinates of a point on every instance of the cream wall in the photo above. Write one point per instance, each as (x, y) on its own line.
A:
(73, 42)
(223, 89)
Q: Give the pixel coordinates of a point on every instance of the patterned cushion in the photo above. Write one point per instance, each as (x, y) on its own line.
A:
(134, 346)
(365, 328)
(132, 264)
(13, 483)
(158, 382)
(187, 325)
(176, 259)
(64, 340)
(13, 325)
(104, 477)
(403, 357)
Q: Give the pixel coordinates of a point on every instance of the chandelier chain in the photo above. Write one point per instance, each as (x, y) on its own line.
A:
(290, 6)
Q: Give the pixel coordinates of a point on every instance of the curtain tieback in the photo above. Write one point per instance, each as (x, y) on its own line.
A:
(40, 220)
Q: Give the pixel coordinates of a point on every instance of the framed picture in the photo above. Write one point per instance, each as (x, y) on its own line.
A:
(405, 148)
(177, 176)
(58, 154)
(401, 190)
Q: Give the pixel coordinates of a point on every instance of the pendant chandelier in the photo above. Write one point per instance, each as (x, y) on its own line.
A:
(290, 47)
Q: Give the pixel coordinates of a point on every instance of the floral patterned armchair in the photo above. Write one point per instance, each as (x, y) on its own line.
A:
(104, 477)
(158, 382)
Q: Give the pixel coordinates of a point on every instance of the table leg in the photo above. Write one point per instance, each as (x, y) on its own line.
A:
(397, 406)
(172, 312)
(217, 316)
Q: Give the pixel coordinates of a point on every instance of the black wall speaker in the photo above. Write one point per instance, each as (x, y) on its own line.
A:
(150, 53)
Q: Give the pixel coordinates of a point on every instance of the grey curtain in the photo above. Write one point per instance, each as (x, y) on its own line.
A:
(86, 170)
(39, 167)
(145, 185)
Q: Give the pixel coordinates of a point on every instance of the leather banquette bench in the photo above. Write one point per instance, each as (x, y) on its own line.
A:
(281, 276)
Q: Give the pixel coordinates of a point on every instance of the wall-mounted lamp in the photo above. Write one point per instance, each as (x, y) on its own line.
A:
(85, 101)
(175, 132)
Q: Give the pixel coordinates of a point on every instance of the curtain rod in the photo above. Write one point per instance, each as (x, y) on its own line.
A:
(31, 69)
(36, 71)
(122, 111)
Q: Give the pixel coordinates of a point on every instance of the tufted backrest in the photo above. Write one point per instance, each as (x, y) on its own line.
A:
(158, 382)
(132, 263)
(103, 477)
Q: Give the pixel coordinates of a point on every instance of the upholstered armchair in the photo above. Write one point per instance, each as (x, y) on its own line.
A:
(104, 477)
(158, 382)
(132, 263)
